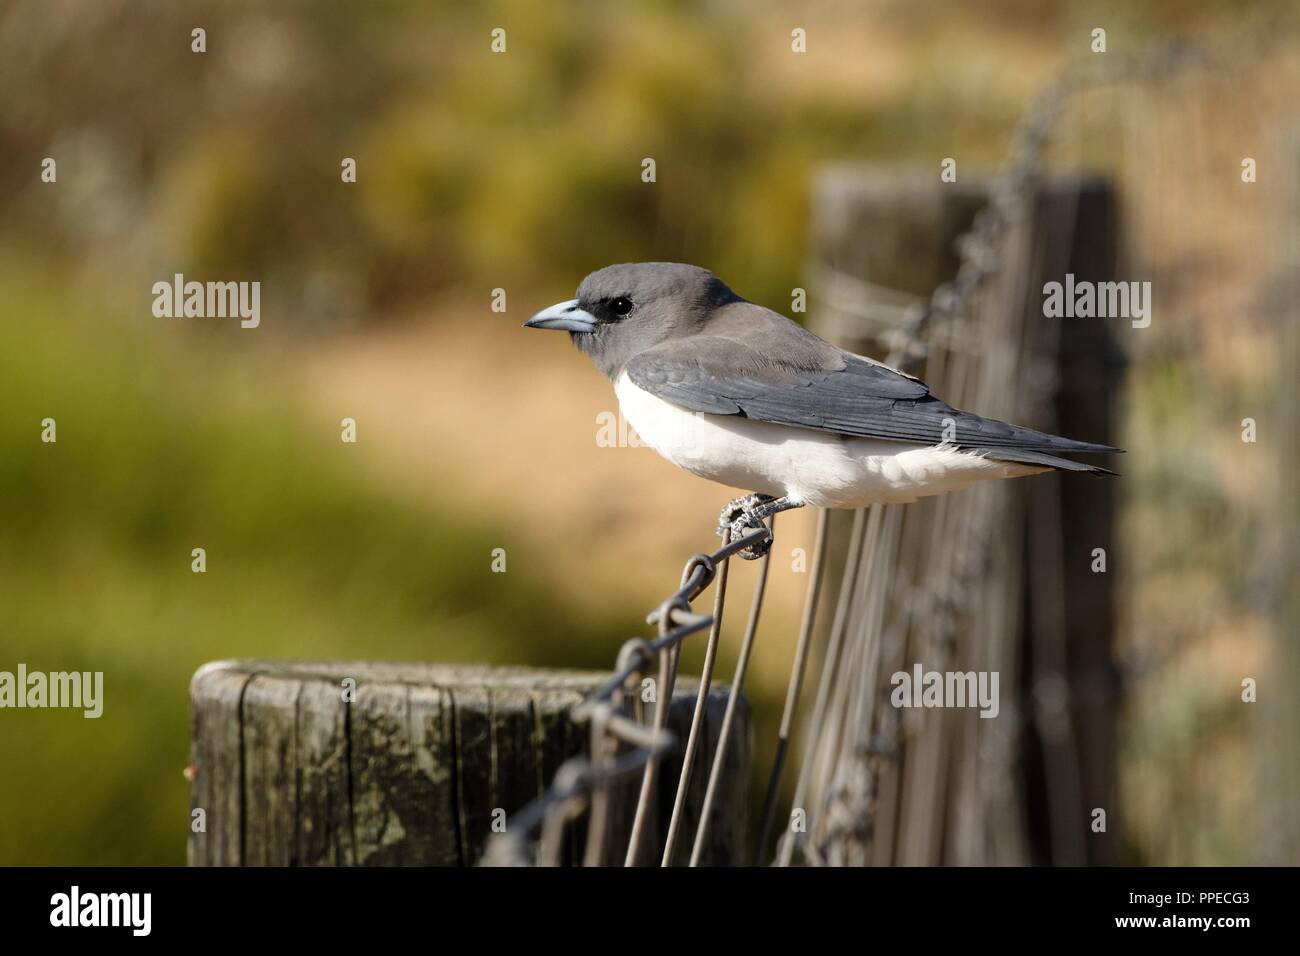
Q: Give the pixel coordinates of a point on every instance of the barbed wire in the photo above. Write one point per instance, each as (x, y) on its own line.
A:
(582, 783)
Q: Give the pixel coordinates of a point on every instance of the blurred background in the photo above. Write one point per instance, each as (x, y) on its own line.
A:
(522, 171)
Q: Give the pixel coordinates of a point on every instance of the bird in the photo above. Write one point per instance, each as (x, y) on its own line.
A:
(741, 395)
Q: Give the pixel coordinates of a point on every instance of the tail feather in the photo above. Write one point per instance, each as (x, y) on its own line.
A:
(1022, 456)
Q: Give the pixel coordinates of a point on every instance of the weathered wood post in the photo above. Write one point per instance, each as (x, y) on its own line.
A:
(342, 763)
(884, 240)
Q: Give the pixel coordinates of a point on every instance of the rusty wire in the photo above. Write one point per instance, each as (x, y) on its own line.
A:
(582, 783)
(733, 699)
(701, 699)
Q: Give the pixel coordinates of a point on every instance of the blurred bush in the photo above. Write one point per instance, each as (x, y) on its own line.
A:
(474, 167)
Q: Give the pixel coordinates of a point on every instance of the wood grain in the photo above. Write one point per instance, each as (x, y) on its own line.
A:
(415, 766)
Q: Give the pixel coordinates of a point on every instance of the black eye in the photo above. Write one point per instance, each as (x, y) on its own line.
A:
(621, 306)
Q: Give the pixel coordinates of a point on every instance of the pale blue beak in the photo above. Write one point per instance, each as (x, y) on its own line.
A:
(565, 316)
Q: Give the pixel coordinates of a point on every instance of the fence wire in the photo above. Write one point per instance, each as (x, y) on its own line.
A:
(582, 784)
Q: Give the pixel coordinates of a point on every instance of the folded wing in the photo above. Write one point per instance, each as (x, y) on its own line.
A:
(814, 385)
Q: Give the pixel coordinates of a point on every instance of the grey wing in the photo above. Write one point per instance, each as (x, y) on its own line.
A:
(848, 395)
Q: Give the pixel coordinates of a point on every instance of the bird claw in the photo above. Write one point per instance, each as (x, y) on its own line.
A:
(739, 519)
(761, 546)
(734, 510)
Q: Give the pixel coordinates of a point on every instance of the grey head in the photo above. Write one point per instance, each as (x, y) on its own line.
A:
(620, 311)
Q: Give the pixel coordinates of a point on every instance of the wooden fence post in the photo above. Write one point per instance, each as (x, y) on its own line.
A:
(343, 763)
(883, 240)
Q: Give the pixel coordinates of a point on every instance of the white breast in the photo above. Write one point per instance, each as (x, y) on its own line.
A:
(819, 468)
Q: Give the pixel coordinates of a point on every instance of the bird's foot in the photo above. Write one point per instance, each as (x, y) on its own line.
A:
(745, 515)
(741, 517)
(733, 510)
